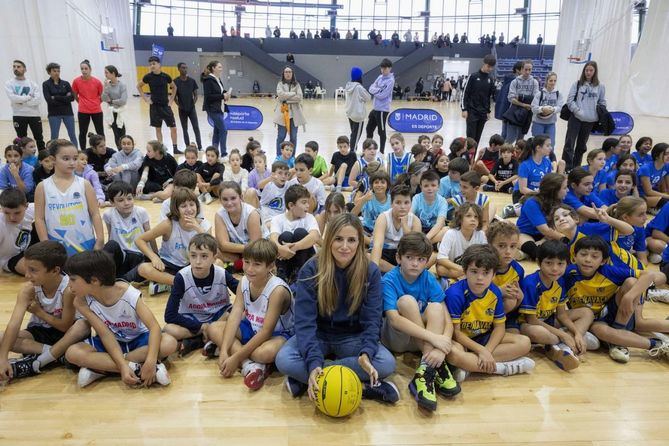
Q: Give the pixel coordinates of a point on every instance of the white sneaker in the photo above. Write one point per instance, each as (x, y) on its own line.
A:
(658, 295)
(162, 377)
(225, 159)
(661, 336)
(619, 354)
(520, 365)
(562, 356)
(208, 199)
(201, 198)
(87, 376)
(591, 341)
(661, 350)
(654, 258)
(459, 375)
(157, 288)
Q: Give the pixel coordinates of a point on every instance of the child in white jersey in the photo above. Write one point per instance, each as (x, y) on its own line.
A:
(177, 231)
(236, 224)
(273, 189)
(303, 165)
(47, 297)
(199, 295)
(183, 178)
(261, 319)
(466, 230)
(66, 209)
(128, 340)
(391, 226)
(16, 230)
(125, 222)
(235, 172)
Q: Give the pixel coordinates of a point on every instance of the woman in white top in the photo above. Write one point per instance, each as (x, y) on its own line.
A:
(288, 111)
(236, 224)
(115, 95)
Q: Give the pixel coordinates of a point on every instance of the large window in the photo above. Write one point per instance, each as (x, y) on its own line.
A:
(474, 17)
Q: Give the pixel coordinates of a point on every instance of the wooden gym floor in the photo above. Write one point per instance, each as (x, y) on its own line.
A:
(601, 403)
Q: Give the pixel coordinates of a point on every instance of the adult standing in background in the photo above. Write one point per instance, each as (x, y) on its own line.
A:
(58, 95)
(475, 102)
(25, 96)
(288, 114)
(382, 90)
(170, 30)
(583, 98)
(214, 96)
(115, 95)
(268, 32)
(186, 98)
(502, 103)
(355, 34)
(356, 98)
(87, 91)
(290, 58)
(277, 32)
(522, 91)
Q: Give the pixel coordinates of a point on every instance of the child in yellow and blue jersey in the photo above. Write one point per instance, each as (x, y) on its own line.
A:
(544, 309)
(505, 238)
(614, 294)
(477, 311)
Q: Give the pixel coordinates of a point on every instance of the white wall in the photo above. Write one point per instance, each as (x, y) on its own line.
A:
(63, 31)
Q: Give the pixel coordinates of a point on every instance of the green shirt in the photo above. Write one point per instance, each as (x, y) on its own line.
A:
(320, 167)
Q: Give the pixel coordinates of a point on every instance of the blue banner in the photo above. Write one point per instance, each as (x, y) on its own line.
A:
(624, 123)
(158, 51)
(415, 120)
(242, 117)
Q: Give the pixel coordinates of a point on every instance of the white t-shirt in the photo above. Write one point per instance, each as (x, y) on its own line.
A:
(316, 188)
(281, 224)
(165, 209)
(241, 177)
(125, 230)
(272, 201)
(453, 244)
(15, 238)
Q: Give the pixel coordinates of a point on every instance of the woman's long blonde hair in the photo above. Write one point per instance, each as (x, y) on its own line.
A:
(356, 273)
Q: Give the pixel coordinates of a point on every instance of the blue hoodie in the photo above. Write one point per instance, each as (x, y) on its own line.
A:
(310, 326)
(382, 90)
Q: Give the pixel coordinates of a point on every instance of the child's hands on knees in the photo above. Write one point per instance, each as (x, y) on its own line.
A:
(128, 376)
(158, 264)
(229, 366)
(486, 361)
(366, 364)
(434, 358)
(441, 342)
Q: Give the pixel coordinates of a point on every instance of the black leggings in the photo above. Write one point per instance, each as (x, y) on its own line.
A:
(84, 121)
(378, 119)
(356, 133)
(126, 262)
(287, 269)
(575, 142)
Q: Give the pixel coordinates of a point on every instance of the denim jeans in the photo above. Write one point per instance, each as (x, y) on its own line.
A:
(220, 136)
(544, 129)
(345, 348)
(68, 120)
(513, 133)
(282, 135)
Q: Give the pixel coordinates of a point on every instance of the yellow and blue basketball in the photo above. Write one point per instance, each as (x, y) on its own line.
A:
(340, 391)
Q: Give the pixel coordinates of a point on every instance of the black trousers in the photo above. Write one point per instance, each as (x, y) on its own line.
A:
(119, 132)
(184, 116)
(356, 133)
(84, 120)
(475, 124)
(377, 119)
(287, 269)
(21, 124)
(578, 133)
(126, 262)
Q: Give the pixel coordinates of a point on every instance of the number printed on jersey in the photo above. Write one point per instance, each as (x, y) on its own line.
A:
(67, 219)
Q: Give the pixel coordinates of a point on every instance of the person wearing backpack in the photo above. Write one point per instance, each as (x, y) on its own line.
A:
(545, 109)
(583, 98)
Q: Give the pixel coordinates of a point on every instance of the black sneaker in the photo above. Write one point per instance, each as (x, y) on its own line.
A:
(295, 388)
(384, 391)
(191, 344)
(23, 368)
(209, 349)
(177, 151)
(445, 384)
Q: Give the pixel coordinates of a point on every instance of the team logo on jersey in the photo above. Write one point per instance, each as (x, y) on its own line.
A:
(554, 299)
(76, 195)
(134, 220)
(489, 312)
(22, 239)
(600, 289)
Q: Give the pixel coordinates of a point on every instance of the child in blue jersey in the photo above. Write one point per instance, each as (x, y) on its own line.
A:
(614, 294)
(128, 340)
(66, 209)
(449, 186)
(544, 309)
(287, 151)
(643, 146)
(611, 149)
(664, 261)
(657, 233)
(17, 174)
(654, 177)
(534, 165)
(624, 186)
(470, 192)
(580, 195)
(596, 160)
(625, 162)
(417, 321)
(177, 231)
(477, 311)
(199, 295)
(631, 210)
(369, 155)
(533, 221)
(373, 202)
(625, 143)
(398, 160)
(505, 238)
(430, 207)
(260, 321)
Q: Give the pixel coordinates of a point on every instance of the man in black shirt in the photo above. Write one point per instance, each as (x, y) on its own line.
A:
(475, 101)
(186, 98)
(160, 102)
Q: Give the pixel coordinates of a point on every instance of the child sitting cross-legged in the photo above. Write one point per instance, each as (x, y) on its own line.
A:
(466, 230)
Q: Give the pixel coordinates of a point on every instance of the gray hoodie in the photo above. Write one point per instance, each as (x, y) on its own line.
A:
(547, 98)
(523, 89)
(131, 164)
(24, 96)
(356, 97)
(584, 104)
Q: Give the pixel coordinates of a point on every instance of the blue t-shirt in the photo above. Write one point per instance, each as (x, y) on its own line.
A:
(609, 197)
(475, 314)
(665, 255)
(428, 213)
(660, 222)
(611, 178)
(599, 179)
(424, 289)
(290, 162)
(635, 241)
(655, 175)
(31, 160)
(594, 292)
(610, 163)
(448, 188)
(371, 211)
(531, 216)
(540, 300)
(586, 200)
(533, 172)
(647, 158)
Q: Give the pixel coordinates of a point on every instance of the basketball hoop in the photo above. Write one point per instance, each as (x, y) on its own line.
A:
(580, 51)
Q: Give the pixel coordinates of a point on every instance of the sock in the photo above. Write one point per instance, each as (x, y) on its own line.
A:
(44, 358)
(135, 367)
(338, 188)
(500, 368)
(530, 248)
